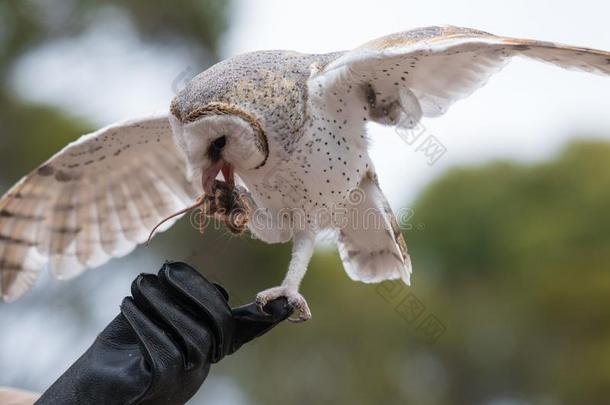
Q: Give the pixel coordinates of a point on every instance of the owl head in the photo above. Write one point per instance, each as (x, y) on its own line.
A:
(219, 137)
(222, 118)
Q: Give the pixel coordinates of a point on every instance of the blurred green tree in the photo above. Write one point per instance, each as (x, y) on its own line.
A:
(28, 24)
(513, 260)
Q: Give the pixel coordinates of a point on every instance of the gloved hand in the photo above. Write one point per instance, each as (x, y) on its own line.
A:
(158, 350)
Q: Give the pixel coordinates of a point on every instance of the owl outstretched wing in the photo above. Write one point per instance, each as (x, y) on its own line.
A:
(95, 200)
(407, 75)
(398, 79)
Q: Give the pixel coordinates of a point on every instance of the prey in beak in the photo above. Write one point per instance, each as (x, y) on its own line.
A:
(222, 200)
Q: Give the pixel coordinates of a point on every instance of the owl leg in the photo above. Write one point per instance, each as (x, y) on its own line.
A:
(302, 250)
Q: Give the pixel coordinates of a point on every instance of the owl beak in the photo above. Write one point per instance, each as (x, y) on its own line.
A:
(210, 174)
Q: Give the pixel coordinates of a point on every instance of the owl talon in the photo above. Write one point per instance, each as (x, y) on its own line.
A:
(261, 307)
(294, 298)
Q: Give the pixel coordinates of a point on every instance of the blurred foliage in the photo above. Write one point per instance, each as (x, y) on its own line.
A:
(28, 24)
(33, 132)
(543, 205)
(512, 259)
(523, 253)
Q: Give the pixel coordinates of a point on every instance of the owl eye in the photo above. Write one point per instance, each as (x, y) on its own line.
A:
(219, 143)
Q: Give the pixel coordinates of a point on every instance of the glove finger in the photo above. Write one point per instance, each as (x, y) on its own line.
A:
(189, 287)
(152, 338)
(164, 359)
(222, 291)
(190, 333)
(275, 311)
(251, 323)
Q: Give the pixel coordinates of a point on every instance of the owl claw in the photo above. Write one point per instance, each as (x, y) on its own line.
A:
(294, 298)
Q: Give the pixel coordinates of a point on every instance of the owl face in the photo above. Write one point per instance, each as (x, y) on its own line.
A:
(228, 140)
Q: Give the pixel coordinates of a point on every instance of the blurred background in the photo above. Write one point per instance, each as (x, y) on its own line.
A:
(508, 229)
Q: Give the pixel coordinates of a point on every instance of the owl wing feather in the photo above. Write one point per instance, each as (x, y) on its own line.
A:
(433, 67)
(398, 79)
(371, 246)
(95, 200)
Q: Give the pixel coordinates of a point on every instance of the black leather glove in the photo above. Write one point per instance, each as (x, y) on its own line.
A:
(158, 350)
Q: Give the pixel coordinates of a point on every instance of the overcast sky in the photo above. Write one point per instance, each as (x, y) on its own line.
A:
(526, 112)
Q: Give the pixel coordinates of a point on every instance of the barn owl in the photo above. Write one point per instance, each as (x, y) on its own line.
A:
(290, 127)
